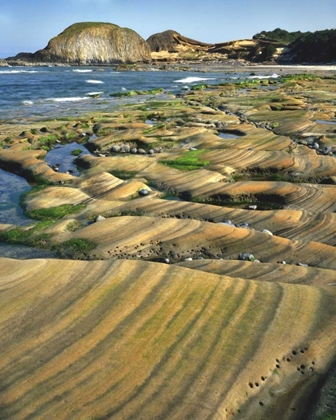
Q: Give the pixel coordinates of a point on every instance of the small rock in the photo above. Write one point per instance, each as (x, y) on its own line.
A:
(243, 225)
(151, 152)
(115, 148)
(268, 232)
(253, 207)
(142, 151)
(134, 150)
(246, 257)
(125, 149)
(167, 260)
(188, 259)
(143, 192)
(100, 218)
(302, 265)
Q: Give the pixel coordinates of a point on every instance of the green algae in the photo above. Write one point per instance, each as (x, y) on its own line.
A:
(189, 161)
(53, 213)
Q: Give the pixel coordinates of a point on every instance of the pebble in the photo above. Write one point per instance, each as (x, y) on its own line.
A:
(143, 192)
(188, 259)
(246, 257)
(167, 260)
(115, 148)
(268, 232)
(302, 265)
(100, 218)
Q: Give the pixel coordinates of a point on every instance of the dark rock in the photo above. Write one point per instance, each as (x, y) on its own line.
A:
(143, 192)
(246, 257)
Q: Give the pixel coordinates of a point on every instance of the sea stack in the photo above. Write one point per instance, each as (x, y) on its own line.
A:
(90, 43)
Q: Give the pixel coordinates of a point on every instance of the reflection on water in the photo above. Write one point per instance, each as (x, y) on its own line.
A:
(62, 158)
(325, 122)
(11, 188)
(24, 252)
(229, 135)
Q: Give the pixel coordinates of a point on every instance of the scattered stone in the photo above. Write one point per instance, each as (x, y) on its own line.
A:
(151, 152)
(134, 150)
(143, 192)
(115, 148)
(253, 207)
(141, 151)
(188, 259)
(243, 225)
(268, 232)
(100, 218)
(125, 149)
(246, 257)
(167, 260)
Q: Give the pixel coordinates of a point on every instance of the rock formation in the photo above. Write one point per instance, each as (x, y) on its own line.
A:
(92, 43)
(172, 45)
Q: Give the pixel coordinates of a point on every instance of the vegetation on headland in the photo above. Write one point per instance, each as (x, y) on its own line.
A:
(316, 47)
(279, 35)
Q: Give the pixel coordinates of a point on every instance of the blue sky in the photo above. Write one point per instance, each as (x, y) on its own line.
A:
(27, 25)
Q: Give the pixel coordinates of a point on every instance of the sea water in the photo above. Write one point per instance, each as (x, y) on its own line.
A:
(50, 92)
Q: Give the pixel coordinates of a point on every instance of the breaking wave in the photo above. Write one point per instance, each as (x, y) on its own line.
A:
(193, 79)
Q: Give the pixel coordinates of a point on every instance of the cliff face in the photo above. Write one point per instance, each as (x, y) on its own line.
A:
(172, 41)
(172, 45)
(93, 43)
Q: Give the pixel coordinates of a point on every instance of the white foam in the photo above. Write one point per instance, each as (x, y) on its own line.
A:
(71, 99)
(82, 71)
(94, 81)
(27, 102)
(17, 71)
(273, 76)
(193, 79)
(94, 93)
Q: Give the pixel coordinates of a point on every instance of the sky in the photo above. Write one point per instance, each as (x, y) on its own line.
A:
(28, 25)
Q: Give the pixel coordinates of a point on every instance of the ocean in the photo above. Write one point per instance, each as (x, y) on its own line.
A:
(49, 92)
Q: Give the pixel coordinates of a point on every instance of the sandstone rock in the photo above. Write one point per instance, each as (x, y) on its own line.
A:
(88, 43)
